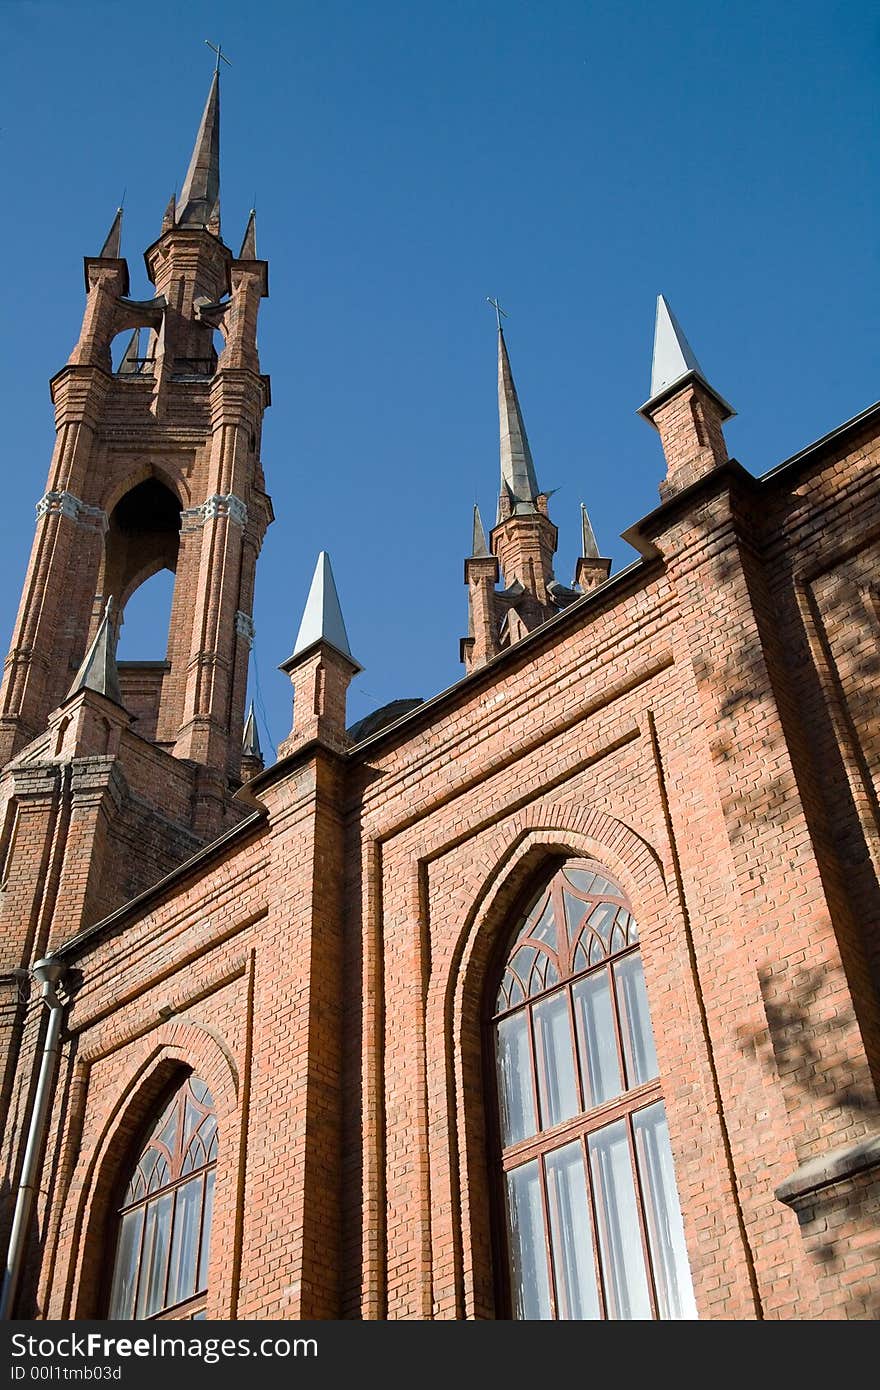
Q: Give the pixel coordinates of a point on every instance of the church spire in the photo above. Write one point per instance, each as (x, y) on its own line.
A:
(111, 250)
(199, 203)
(519, 485)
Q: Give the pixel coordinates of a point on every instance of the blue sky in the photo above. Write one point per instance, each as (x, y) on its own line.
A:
(409, 159)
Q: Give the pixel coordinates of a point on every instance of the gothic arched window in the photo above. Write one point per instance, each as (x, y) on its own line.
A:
(161, 1264)
(593, 1223)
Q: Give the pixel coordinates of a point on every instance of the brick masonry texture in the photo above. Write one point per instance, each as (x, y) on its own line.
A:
(316, 945)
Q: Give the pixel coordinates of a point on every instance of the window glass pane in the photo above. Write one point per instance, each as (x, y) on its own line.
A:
(620, 1241)
(672, 1274)
(581, 878)
(594, 1015)
(185, 1244)
(206, 1230)
(554, 1055)
(125, 1273)
(167, 1134)
(576, 1292)
(151, 1292)
(638, 1038)
(601, 919)
(529, 1276)
(574, 913)
(515, 1080)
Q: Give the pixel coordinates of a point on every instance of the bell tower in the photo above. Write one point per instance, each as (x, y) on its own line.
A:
(156, 466)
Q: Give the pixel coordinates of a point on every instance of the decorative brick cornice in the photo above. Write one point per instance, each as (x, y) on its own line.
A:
(244, 626)
(66, 504)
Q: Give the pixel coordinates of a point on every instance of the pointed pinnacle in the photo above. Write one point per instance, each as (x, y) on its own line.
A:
(129, 364)
(250, 741)
(98, 671)
(674, 359)
(673, 355)
(479, 548)
(589, 548)
(248, 250)
(200, 197)
(113, 242)
(517, 468)
(169, 217)
(322, 619)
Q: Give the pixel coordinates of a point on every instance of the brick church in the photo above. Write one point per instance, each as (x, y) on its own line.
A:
(553, 996)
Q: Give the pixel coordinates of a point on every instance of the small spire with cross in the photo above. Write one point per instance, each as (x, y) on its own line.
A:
(499, 312)
(218, 49)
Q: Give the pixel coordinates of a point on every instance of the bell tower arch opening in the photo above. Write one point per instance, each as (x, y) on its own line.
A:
(142, 542)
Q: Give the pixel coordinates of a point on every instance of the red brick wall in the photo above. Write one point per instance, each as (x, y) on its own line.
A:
(707, 728)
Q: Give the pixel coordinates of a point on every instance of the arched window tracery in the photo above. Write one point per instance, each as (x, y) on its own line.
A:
(161, 1261)
(592, 1218)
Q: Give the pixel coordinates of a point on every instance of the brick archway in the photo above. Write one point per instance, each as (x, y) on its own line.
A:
(120, 1120)
(456, 1110)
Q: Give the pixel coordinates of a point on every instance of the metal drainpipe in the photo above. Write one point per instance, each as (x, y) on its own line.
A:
(47, 973)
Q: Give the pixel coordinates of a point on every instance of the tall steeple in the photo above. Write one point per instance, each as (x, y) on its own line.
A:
(519, 485)
(182, 440)
(524, 538)
(199, 202)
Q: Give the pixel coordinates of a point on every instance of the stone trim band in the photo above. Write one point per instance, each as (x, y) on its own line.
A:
(66, 504)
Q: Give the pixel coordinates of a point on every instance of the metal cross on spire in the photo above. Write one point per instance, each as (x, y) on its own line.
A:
(218, 49)
(499, 312)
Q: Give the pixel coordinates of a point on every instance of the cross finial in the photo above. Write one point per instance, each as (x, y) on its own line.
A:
(499, 312)
(218, 49)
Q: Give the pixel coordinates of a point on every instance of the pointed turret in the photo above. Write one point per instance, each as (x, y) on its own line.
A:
(169, 216)
(589, 548)
(683, 407)
(322, 619)
(673, 355)
(251, 752)
(481, 574)
(112, 248)
(479, 548)
(674, 363)
(199, 204)
(321, 667)
(250, 741)
(130, 364)
(519, 485)
(98, 670)
(591, 568)
(248, 250)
